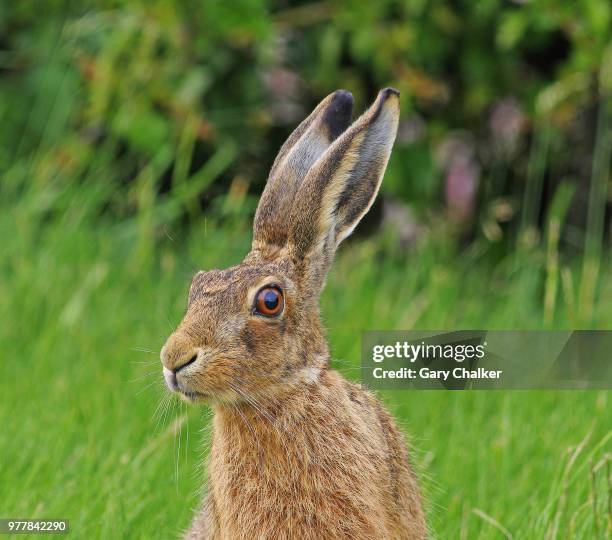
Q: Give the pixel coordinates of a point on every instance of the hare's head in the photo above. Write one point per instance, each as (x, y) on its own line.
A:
(253, 329)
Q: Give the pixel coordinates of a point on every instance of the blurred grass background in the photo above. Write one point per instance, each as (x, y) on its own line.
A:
(135, 140)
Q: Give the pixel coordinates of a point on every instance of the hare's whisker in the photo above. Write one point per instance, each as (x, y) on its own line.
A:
(147, 387)
(144, 350)
(158, 410)
(145, 376)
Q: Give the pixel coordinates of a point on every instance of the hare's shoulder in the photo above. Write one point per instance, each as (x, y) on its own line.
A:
(360, 400)
(404, 502)
(334, 383)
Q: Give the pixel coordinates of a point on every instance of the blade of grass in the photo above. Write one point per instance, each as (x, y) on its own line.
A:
(598, 192)
(556, 216)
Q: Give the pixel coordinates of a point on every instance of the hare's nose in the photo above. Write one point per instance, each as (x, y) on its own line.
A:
(177, 353)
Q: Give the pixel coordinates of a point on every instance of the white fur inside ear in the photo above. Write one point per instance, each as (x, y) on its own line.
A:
(345, 233)
(306, 151)
(374, 155)
(337, 184)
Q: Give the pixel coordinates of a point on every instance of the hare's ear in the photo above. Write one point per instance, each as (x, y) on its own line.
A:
(301, 150)
(341, 186)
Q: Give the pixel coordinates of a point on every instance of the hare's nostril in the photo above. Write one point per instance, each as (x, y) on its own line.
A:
(189, 362)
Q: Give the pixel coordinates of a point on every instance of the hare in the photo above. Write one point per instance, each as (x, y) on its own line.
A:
(297, 450)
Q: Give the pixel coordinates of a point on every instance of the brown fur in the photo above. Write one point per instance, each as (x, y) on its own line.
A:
(297, 451)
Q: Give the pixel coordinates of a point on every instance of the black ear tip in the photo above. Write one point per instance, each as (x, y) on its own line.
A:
(343, 96)
(338, 115)
(389, 91)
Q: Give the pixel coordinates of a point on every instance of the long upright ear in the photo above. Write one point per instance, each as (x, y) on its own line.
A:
(301, 150)
(341, 186)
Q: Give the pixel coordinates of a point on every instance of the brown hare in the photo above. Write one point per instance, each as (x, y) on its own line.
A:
(297, 450)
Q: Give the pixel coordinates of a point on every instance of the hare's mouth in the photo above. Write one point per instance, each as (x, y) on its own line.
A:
(191, 395)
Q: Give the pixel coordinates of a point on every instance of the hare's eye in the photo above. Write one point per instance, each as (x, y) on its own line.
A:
(269, 302)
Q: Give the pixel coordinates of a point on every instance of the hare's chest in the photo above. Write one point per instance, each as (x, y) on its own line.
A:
(298, 483)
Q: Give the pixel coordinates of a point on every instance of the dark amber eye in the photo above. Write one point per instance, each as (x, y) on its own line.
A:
(269, 302)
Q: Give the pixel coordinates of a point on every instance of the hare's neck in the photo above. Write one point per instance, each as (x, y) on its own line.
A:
(258, 416)
(260, 428)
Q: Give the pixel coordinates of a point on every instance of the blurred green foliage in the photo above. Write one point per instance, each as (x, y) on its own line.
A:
(203, 93)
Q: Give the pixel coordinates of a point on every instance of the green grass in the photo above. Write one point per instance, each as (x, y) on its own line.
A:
(84, 314)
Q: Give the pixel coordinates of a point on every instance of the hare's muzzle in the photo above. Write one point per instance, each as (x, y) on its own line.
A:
(176, 355)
